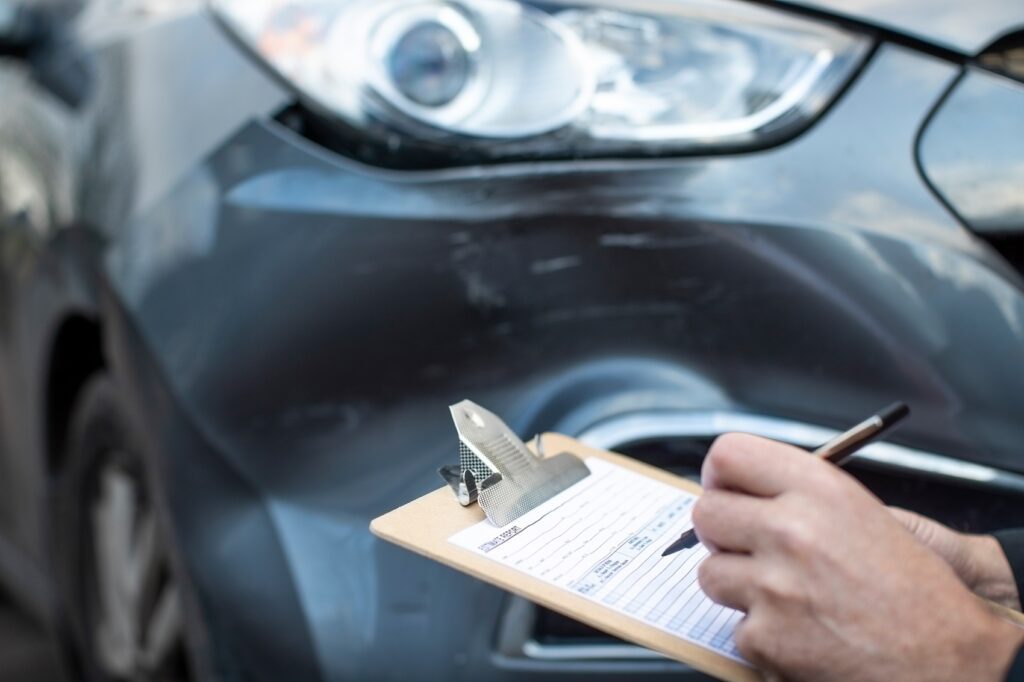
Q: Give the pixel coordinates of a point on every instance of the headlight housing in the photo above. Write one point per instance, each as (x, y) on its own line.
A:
(555, 78)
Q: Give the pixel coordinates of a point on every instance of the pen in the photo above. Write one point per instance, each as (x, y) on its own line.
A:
(837, 451)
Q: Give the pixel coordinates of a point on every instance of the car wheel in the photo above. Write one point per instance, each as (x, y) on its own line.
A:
(120, 603)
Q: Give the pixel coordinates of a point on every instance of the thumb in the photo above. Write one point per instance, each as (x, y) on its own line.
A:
(912, 521)
(930, 533)
(942, 540)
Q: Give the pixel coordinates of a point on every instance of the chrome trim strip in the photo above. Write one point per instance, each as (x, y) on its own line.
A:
(618, 431)
(589, 652)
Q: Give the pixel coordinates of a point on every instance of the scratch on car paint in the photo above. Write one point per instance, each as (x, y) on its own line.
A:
(460, 238)
(712, 294)
(644, 240)
(481, 293)
(600, 312)
(468, 261)
(550, 265)
(685, 283)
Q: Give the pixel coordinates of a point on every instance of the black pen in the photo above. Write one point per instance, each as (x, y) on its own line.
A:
(837, 451)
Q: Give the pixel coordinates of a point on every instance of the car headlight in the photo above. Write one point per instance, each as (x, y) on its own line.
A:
(554, 77)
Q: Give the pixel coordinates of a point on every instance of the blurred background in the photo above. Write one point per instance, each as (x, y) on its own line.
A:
(251, 250)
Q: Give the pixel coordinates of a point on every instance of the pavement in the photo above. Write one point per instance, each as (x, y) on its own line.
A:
(26, 653)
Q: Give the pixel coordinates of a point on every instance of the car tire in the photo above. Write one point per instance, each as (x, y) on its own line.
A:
(120, 602)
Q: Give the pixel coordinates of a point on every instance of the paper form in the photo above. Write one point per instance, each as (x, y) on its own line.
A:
(603, 538)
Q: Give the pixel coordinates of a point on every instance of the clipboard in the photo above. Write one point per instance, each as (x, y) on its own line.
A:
(425, 525)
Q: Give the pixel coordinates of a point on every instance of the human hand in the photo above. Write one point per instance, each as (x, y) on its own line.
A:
(978, 560)
(834, 587)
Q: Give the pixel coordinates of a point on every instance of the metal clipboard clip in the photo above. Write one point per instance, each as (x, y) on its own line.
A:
(497, 470)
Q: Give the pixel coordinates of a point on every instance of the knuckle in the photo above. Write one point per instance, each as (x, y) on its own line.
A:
(727, 452)
(745, 641)
(780, 588)
(750, 640)
(829, 481)
(700, 513)
(699, 517)
(794, 534)
(705, 509)
(826, 481)
(706, 577)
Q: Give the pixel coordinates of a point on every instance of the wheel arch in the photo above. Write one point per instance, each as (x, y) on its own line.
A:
(76, 354)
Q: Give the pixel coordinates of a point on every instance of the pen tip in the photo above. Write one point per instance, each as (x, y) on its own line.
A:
(893, 413)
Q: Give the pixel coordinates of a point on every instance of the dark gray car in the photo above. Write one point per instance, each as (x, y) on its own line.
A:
(250, 251)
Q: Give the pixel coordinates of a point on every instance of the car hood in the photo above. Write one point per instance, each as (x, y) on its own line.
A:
(965, 27)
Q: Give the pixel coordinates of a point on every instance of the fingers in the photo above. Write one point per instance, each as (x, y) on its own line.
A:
(757, 466)
(729, 579)
(728, 521)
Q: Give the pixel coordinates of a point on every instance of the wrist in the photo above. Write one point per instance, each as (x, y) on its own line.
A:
(996, 651)
(987, 572)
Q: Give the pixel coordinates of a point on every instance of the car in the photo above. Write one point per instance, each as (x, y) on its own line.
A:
(251, 250)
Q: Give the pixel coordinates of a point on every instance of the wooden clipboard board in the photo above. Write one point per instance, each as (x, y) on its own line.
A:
(424, 526)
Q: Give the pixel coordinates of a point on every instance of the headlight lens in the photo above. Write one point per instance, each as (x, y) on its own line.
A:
(430, 64)
(553, 78)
